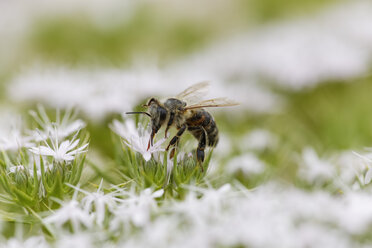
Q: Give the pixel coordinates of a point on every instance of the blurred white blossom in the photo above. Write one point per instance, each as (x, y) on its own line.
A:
(364, 176)
(12, 137)
(295, 217)
(331, 45)
(98, 202)
(136, 208)
(16, 168)
(70, 212)
(258, 140)
(32, 242)
(78, 239)
(61, 128)
(315, 170)
(247, 163)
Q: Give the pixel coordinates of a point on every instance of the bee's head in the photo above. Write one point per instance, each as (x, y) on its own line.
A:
(158, 114)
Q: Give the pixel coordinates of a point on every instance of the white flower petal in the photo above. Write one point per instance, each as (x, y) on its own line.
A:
(158, 193)
(73, 145)
(146, 156)
(64, 147)
(43, 150)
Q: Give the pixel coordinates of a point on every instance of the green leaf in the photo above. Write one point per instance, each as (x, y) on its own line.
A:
(35, 190)
(48, 189)
(22, 197)
(77, 174)
(4, 182)
(57, 188)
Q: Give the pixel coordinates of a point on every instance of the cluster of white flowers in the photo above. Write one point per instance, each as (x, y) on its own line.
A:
(101, 92)
(347, 171)
(37, 241)
(314, 170)
(206, 216)
(50, 141)
(121, 207)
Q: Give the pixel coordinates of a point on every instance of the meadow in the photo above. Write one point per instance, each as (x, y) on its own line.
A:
(293, 165)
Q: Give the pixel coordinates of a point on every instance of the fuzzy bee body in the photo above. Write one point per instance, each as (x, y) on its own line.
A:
(201, 121)
(184, 116)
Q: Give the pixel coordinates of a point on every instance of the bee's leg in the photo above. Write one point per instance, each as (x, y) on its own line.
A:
(175, 139)
(170, 122)
(173, 151)
(200, 149)
(151, 140)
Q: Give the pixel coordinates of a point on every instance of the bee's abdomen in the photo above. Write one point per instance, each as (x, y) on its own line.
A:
(212, 132)
(202, 120)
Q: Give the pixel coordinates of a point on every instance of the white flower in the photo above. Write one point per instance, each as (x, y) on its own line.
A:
(30, 167)
(258, 139)
(13, 139)
(99, 201)
(78, 239)
(170, 161)
(61, 128)
(247, 163)
(16, 168)
(70, 212)
(315, 170)
(366, 176)
(66, 151)
(136, 208)
(137, 139)
(35, 241)
(350, 167)
(200, 210)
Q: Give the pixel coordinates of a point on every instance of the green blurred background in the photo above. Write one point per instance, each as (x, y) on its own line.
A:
(333, 116)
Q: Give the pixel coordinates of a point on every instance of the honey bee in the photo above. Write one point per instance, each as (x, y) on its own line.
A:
(186, 112)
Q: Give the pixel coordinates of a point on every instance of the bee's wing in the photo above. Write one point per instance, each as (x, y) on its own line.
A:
(216, 102)
(194, 93)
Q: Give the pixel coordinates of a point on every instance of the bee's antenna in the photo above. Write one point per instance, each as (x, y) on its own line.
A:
(145, 113)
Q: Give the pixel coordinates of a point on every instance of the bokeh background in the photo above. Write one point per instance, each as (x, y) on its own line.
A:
(301, 71)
